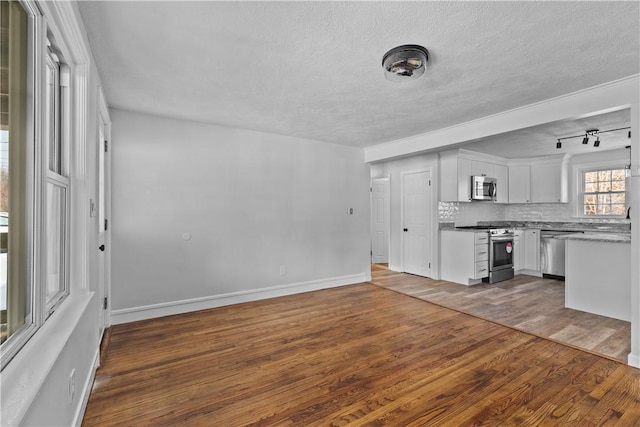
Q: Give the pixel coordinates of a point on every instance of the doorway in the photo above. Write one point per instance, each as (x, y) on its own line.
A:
(380, 220)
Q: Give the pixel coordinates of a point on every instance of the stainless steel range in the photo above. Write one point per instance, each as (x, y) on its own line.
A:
(500, 255)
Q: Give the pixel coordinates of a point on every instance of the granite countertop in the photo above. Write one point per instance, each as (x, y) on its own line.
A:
(597, 237)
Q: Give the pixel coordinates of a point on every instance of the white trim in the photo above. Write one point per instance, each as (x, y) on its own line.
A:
(606, 97)
(202, 303)
(578, 185)
(86, 390)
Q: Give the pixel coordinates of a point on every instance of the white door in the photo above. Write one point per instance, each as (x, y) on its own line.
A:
(103, 225)
(416, 212)
(380, 221)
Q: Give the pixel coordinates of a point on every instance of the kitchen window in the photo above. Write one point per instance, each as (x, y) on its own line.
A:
(35, 183)
(604, 192)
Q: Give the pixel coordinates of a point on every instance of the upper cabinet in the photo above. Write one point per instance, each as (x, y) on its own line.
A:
(458, 166)
(536, 180)
(539, 180)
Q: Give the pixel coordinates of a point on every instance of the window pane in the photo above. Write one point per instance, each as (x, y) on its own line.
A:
(590, 176)
(604, 210)
(618, 198)
(618, 210)
(15, 294)
(56, 213)
(52, 117)
(604, 175)
(590, 188)
(604, 199)
(617, 186)
(604, 186)
(618, 175)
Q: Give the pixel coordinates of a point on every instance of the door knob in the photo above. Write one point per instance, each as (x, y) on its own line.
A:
(101, 247)
(405, 230)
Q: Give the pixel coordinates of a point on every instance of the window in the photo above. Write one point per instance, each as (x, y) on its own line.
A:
(604, 192)
(35, 184)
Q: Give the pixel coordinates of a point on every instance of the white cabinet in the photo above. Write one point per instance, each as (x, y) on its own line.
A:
(458, 166)
(518, 256)
(519, 184)
(531, 251)
(464, 256)
(540, 180)
(547, 182)
(502, 182)
(482, 168)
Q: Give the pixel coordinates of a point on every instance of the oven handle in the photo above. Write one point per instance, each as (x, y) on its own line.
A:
(502, 239)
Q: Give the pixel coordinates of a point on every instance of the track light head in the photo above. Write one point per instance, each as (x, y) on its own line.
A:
(585, 140)
(597, 142)
(558, 144)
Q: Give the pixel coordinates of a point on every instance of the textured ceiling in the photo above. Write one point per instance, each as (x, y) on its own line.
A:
(313, 69)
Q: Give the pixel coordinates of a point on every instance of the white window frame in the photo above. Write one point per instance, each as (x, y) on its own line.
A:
(39, 175)
(579, 172)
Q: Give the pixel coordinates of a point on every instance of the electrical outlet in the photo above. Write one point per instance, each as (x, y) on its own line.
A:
(72, 385)
(283, 270)
(350, 211)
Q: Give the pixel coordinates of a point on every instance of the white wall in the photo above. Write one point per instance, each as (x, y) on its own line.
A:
(250, 202)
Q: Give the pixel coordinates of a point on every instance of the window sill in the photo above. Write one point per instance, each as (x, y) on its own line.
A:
(23, 377)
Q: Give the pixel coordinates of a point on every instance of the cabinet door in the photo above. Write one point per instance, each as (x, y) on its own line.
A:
(548, 183)
(482, 168)
(519, 184)
(464, 180)
(532, 250)
(502, 182)
(517, 250)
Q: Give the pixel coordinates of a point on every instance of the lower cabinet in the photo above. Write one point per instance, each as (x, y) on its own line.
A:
(464, 256)
(518, 256)
(531, 252)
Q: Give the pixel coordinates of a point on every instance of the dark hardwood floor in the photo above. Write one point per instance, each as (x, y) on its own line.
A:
(354, 355)
(527, 303)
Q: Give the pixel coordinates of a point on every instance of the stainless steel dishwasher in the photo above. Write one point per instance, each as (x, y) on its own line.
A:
(552, 254)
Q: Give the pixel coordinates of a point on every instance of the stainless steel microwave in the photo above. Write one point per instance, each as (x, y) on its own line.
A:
(483, 188)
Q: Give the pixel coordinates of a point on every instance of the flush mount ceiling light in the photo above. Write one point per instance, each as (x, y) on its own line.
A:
(406, 62)
(589, 133)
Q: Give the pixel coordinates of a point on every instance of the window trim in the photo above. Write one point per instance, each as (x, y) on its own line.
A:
(579, 172)
(40, 30)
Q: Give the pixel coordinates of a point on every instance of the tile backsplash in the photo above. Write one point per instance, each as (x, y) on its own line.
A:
(470, 213)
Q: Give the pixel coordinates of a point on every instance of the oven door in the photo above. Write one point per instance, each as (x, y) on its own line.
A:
(501, 252)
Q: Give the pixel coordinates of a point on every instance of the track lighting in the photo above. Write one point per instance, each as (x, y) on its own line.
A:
(589, 133)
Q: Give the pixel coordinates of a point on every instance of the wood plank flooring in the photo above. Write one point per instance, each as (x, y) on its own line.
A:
(528, 303)
(354, 355)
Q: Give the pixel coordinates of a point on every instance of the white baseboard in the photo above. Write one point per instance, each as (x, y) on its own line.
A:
(194, 304)
(634, 360)
(396, 268)
(86, 390)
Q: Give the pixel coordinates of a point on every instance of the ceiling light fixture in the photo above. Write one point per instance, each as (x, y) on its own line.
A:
(589, 133)
(406, 62)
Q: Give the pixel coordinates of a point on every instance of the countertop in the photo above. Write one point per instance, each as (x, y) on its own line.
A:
(597, 237)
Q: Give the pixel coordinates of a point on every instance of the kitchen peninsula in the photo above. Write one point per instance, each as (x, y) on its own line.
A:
(598, 270)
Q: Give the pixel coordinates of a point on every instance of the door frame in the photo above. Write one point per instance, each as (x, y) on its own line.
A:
(431, 226)
(104, 120)
(387, 212)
